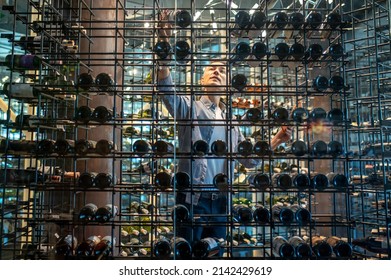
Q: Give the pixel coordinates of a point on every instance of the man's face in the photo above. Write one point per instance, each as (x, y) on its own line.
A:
(214, 75)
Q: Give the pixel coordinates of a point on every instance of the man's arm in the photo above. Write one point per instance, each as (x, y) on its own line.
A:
(176, 105)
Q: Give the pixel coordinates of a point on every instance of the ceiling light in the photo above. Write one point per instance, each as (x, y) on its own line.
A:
(256, 6)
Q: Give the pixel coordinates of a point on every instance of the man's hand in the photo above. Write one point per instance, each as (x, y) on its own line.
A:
(284, 135)
(164, 27)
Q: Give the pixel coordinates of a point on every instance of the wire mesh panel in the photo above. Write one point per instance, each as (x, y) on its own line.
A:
(194, 130)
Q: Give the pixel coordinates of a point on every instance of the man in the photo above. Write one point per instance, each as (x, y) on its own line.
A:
(204, 119)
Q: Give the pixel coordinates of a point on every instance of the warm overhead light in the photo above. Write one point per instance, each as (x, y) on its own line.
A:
(146, 25)
(5, 78)
(256, 6)
(233, 5)
(197, 15)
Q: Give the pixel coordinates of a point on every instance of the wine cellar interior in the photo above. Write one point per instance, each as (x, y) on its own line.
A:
(90, 152)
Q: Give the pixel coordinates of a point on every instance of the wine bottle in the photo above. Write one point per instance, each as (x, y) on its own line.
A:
(281, 50)
(162, 248)
(182, 50)
(320, 83)
(260, 181)
(241, 51)
(280, 115)
(163, 180)
(320, 247)
(20, 176)
(103, 180)
(314, 52)
(241, 237)
(342, 249)
(162, 49)
(335, 116)
(301, 181)
(65, 246)
(299, 115)
(85, 81)
(296, 19)
(282, 248)
(86, 247)
(302, 249)
(104, 82)
(297, 51)
(104, 247)
(17, 146)
(258, 19)
(374, 244)
(105, 213)
(335, 51)
(84, 147)
(239, 82)
(219, 148)
(261, 215)
(242, 214)
(302, 215)
(280, 20)
(161, 147)
(64, 146)
(332, 22)
(83, 114)
(282, 180)
(141, 147)
(318, 148)
(181, 180)
(200, 147)
(314, 20)
(87, 179)
(87, 213)
(282, 214)
(180, 213)
(45, 147)
(336, 83)
(105, 147)
(317, 114)
(335, 148)
(299, 148)
(101, 114)
(206, 247)
(22, 120)
(337, 181)
(259, 50)
(32, 43)
(182, 18)
(257, 22)
(221, 182)
(245, 148)
(254, 115)
(181, 248)
(319, 181)
(23, 62)
(262, 148)
(20, 91)
(242, 19)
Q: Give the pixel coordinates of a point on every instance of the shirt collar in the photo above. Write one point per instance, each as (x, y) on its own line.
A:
(210, 105)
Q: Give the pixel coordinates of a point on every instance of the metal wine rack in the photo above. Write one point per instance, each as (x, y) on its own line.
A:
(118, 37)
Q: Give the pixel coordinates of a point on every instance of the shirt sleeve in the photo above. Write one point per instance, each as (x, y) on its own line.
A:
(178, 105)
